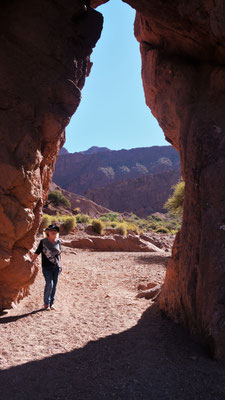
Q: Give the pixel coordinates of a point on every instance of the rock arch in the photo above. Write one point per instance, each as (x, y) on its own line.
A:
(43, 69)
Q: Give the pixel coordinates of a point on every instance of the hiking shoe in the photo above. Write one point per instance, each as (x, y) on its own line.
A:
(47, 307)
(52, 307)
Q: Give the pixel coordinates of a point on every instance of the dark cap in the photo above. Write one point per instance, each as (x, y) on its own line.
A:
(52, 228)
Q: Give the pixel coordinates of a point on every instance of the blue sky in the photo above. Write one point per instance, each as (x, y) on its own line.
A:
(113, 112)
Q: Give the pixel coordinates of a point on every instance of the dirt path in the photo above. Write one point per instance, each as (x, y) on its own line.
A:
(102, 342)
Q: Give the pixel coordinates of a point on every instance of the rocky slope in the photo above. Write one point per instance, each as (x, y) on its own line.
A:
(137, 180)
(141, 196)
(85, 205)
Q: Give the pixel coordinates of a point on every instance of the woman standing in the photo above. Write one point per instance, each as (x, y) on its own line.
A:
(50, 249)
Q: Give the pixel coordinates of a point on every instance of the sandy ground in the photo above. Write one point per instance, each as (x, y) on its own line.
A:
(102, 342)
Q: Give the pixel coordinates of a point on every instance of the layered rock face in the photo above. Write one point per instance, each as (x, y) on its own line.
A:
(142, 196)
(183, 53)
(45, 48)
(137, 180)
(79, 172)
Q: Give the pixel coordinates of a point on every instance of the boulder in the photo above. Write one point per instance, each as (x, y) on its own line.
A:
(130, 243)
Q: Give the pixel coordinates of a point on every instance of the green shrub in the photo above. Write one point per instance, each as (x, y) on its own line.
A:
(175, 202)
(76, 210)
(46, 220)
(162, 230)
(83, 219)
(69, 224)
(134, 216)
(156, 218)
(122, 229)
(133, 228)
(152, 226)
(97, 226)
(112, 217)
(57, 198)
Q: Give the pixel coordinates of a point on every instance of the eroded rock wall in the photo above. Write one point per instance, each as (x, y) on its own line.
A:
(183, 53)
(45, 48)
(182, 46)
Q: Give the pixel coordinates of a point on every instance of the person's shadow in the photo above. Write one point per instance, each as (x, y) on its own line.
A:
(6, 320)
(153, 360)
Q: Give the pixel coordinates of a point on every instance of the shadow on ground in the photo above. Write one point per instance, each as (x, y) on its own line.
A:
(7, 320)
(154, 360)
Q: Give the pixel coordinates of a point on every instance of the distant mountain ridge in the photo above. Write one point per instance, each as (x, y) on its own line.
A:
(91, 150)
(95, 149)
(63, 150)
(98, 169)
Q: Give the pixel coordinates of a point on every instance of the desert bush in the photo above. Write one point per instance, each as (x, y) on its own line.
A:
(83, 219)
(46, 220)
(162, 230)
(113, 225)
(69, 224)
(152, 226)
(98, 226)
(155, 217)
(111, 217)
(122, 229)
(134, 216)
(76, 210)
(58, 198)
(175, 202)
(133, 227)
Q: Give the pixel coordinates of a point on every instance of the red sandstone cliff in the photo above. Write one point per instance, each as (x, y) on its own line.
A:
(45, 56)
(183, 52)
(142, 196)
(109, 177)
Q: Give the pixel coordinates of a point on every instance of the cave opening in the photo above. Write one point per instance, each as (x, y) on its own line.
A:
(183, 53)
(113, 112)
(113, 115)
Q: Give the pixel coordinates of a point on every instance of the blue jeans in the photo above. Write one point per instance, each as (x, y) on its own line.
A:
(51, 280)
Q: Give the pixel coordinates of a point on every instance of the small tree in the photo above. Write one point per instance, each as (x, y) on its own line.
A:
(57, 198)
(175, 202)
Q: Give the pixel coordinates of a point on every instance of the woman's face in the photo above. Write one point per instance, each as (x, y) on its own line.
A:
(52, 235)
